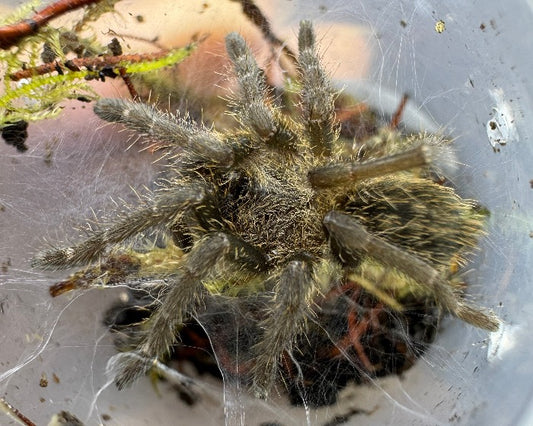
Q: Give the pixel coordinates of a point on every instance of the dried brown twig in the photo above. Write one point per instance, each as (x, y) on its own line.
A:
(10, 35)
(94, 62)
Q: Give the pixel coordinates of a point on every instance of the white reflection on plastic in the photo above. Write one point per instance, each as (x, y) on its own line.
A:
(501, 128)
(502, 341)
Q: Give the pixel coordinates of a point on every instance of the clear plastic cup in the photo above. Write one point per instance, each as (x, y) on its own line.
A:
(466, 68)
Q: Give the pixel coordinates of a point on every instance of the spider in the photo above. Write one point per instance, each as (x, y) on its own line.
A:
(280, 207)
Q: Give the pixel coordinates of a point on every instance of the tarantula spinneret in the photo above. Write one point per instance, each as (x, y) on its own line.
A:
(279, 206)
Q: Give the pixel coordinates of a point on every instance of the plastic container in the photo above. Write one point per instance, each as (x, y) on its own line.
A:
(467, 79)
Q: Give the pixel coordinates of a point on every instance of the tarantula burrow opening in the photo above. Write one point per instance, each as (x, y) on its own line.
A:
(310, 242)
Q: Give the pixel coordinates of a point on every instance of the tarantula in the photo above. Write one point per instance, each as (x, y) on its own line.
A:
(280, 206)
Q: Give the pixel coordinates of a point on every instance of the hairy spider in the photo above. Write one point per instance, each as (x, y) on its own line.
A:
(280, 207)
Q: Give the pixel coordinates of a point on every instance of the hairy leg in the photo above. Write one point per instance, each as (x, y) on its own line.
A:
(294, 293)
(317, 95)
(349, 234)
(201, 146)
(348, 173)
(252, 106)
(165, 206)
(185, 294)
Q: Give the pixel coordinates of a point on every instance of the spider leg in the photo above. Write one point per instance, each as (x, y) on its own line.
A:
(294, 292)
(251, 108)
(349, 234)
(317, 95)
(346, 173)
(201, 146)
(165, 206)
(185, 294)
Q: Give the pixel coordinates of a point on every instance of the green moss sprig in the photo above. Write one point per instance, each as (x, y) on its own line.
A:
(52, 64)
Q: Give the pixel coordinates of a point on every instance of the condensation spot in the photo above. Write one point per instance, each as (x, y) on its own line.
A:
(501, 128)
(502, 341)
